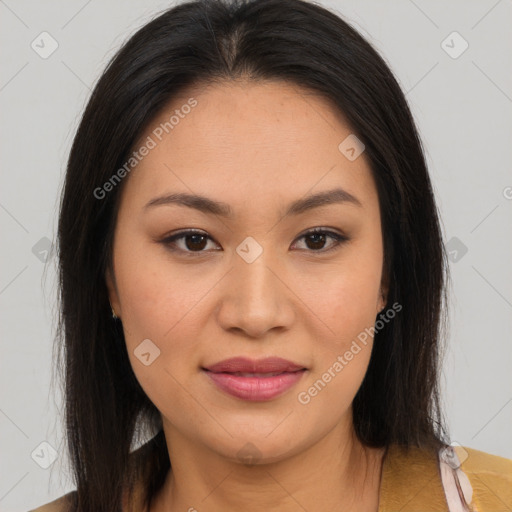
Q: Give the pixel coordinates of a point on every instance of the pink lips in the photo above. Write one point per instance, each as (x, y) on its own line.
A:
(255, 380)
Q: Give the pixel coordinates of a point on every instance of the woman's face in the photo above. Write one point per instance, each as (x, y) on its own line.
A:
(252, 283)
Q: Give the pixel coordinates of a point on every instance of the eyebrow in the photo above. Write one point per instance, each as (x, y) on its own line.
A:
(209, 206)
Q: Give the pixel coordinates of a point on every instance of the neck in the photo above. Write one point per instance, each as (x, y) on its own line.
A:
(335, 473)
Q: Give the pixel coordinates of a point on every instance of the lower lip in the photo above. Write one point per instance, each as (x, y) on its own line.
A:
(255, 388)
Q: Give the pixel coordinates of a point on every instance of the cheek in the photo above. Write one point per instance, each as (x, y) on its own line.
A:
(163, 303)
(343, 349)
(349, 312)
(157, 295)
(159, 306)
(346, 304)
(346, 298)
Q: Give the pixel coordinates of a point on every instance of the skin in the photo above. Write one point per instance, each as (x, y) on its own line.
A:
(257, 146)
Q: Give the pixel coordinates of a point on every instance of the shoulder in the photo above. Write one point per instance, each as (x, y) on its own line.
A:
(490, 477)
(59, 505)
(412, 480)
(483, 462)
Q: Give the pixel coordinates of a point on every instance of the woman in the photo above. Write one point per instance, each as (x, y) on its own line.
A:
(252, 278)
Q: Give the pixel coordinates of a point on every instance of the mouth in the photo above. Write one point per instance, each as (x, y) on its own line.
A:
(258, 375)
(253, 380)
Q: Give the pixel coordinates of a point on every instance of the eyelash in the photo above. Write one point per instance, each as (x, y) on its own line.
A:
(170, 240)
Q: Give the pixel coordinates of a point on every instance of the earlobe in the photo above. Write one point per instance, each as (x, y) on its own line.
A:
(381, 303)
(112, 293)
(383, 294)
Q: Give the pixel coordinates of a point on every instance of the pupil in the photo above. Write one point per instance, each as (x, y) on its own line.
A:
(196, 240)
(317, 239)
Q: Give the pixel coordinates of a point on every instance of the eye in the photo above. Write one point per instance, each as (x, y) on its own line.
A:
(316, 238)
(193, 241)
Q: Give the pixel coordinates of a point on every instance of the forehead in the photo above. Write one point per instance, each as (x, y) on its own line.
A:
(241, 140)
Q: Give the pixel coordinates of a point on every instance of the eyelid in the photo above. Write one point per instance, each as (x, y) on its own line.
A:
(338, 237)
(182, 234)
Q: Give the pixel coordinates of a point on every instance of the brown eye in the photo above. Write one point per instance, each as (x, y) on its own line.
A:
(195, 242)
(192, 242)
(317, 238)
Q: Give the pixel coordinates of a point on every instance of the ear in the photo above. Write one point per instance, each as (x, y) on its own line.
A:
(113, 295)
(383, 292)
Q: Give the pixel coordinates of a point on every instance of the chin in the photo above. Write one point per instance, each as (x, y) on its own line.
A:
(257, 446)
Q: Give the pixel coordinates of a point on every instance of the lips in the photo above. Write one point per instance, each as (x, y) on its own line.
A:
(268, 365)
(253, 380)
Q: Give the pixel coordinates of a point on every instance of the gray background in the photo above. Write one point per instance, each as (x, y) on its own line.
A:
(463, 108)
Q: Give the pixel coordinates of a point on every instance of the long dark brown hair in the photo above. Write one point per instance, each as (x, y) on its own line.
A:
(209, 41)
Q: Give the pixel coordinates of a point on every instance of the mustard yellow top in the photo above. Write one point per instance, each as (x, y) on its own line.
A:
(412, 482)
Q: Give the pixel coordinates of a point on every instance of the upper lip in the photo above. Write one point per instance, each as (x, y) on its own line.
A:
(247, 365)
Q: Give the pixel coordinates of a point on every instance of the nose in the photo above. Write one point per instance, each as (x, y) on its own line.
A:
(256, 297)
